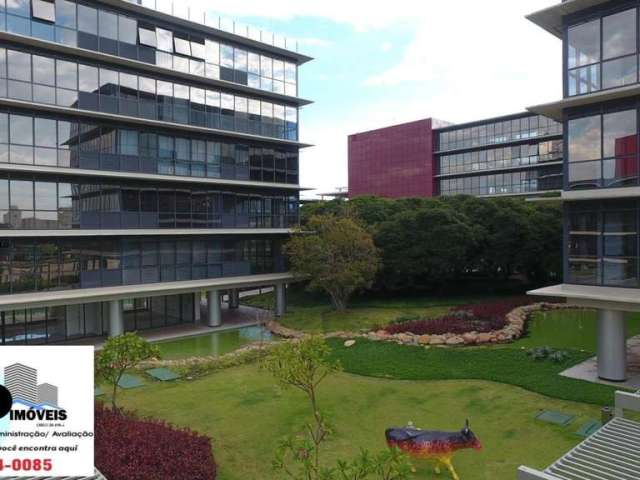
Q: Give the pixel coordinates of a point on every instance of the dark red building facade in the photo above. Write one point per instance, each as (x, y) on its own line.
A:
(393, 162)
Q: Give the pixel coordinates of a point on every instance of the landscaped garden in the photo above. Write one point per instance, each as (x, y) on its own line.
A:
(500, 388)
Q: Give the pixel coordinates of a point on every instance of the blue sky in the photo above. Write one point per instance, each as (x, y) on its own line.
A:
(380, 63)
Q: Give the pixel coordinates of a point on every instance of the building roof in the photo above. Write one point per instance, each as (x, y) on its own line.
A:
(555, 110)
(105, 294)
(613, 298)
(551, 18)
(132, 5)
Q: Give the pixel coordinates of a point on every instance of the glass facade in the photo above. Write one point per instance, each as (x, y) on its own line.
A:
(57, 161)
(39, 203)
(603, 149)
(500, 158)
(602, 52)
(506, 183)
(46, 79)
(497, 132)
(61, 141)
(84, 25)
(62, 323)
(603, 243)
(30, 265)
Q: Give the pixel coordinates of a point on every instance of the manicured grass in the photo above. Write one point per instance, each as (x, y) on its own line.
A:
(498, 364)
(312, 313)
(246, 414)
(572, 329)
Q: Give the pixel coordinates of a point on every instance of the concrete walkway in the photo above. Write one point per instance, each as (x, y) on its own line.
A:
(588, 370)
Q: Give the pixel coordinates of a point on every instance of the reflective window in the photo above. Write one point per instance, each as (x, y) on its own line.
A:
(585, 137)
(619, 34)
(108, 25)
(87, 19)
(164, 39)
(147, 37)
(44, 10)
(584, 44)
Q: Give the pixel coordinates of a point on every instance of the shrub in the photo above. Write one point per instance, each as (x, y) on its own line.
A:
(131, 448)
(481, 317)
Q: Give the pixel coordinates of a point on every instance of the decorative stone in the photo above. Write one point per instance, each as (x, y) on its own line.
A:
(349, 343)
(455, 341)
(483, 338)
(424, 339)
(470, 338)
(436, 340)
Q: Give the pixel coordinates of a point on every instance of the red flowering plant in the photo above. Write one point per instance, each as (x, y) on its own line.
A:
(480, 317)
(131, 448)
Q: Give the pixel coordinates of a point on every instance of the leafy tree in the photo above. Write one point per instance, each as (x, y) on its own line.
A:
(424, 248)
(336, 207)
(302, 365)
(120, 354)
(339, 257)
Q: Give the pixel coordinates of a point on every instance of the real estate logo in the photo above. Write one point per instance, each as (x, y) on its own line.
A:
(46, 411)
(30, 400)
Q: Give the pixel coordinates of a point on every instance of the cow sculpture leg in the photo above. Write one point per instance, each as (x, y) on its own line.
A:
(447, 462)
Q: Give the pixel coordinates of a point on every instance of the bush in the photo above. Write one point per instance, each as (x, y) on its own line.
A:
(130, 448)
(482, 317)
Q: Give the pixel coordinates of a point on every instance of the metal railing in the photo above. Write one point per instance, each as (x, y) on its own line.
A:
(181, 9)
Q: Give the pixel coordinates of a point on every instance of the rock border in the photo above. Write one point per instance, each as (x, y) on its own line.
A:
(513, 330)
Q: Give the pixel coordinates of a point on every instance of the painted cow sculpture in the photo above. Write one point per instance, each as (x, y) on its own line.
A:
(432, 445)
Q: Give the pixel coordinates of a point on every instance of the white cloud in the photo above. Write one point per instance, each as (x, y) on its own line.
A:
(387, 47)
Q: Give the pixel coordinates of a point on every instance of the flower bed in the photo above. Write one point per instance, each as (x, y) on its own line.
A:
(477, 325)
(482, 318)
(130, 448)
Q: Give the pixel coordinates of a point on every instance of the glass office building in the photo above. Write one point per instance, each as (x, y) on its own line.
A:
(513, 155)
(148, 154)
(601, 190)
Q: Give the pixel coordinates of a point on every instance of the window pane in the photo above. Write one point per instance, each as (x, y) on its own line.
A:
(19, 65)
(620, 133)
(44, 10)
(22, 194)
(88, 79)
(619, 34)
(182, 46)
(46, 196)
(585, 139)
(67, 74)
(45, 132)
(127, 29)
(21, 129)
(108, 25)
(66, 13)
(620, 72)
(87, 19)
(165, 40)
(44, 70)
(147, 37)
(584, 44)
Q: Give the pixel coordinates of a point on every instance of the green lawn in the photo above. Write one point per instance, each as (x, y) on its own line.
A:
(572, 329)
(312, 313)
(246, 414)
(496, 363)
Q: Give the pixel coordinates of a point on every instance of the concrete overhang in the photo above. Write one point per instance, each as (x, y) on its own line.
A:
(555, 110)
(223, 34)
(551, 18)
(156, 232)
(148, 177)
(609, 298)
(113, 117)
(601, 194)
(105, 294)
(77, 52)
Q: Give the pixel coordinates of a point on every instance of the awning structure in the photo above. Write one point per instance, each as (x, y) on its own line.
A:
(551, 18)
(612, 453)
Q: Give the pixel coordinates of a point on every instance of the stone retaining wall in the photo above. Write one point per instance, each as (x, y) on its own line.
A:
(516, 322)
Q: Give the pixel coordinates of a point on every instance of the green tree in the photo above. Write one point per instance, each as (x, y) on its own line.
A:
(339, 257)
(302, 365)
(424, 248)
(120, 354)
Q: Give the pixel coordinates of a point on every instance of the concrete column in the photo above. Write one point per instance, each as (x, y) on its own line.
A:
(281, 300)
(214, 314)
(197, 297)
(116, 318)
(234, 298)
(612, 345)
